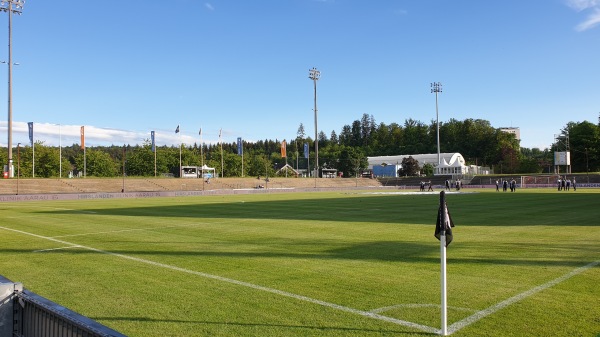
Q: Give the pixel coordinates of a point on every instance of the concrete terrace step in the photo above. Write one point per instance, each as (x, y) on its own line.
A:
(115, 185)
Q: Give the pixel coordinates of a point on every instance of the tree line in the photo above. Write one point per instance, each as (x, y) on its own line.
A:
(476, 139)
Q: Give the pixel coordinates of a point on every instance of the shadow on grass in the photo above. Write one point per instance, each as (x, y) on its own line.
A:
(293, 328)
(383, 251)
(485, 209)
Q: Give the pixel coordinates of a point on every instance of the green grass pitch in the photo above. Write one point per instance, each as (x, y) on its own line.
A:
(314, 264)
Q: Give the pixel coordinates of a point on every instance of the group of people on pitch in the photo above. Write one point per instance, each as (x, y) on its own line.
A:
(512, 184)
(564, 184)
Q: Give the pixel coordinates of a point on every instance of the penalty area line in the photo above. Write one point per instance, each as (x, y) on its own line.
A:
(496, 307)
(363, 313)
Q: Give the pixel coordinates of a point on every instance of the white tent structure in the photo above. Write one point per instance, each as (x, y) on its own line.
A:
(450, 163)
(197, 172)
(206, 172)
(287, 167)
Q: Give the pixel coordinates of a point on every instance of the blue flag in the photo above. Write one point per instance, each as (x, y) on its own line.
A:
(30, 124)
(240, 148)
(306, 150)
(177, 130)
(153, 143)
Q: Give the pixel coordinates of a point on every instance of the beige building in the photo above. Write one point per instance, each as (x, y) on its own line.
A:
(514, 131)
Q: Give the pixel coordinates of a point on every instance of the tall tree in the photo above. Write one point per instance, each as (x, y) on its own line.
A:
(351, 161)
(584, 140)
(140, 161)
(410, 167)
(97, 164)
(345, 137)
(334, 137)
(301, 134)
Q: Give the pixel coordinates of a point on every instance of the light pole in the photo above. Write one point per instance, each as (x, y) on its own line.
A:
(18, 165)
(7, 6)
(123, 189)
(436, 87)
(587, 162)
(59, 151)
(267, 174)
(314, 75)
(221, 141)
(201, 158)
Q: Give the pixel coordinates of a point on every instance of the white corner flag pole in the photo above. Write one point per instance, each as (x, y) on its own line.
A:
(444, 330)
(444, 223)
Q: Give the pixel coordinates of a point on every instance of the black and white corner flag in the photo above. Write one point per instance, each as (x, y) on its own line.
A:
(444, 222)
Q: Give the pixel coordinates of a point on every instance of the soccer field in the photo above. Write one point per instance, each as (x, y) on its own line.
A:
(314, 264)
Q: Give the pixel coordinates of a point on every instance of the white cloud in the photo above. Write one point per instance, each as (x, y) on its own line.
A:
(592, 21)
(580, 5)
(67, 135)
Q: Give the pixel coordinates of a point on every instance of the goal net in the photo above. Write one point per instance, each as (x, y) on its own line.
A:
(537, 181)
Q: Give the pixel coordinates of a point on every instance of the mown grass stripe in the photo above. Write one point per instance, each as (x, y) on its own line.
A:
(245, 284)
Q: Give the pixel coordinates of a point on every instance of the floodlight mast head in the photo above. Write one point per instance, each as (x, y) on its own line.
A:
(314, 74)
(7, 5)
(436, 87)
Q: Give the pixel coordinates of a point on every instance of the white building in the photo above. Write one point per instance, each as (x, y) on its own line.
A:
(450, 163)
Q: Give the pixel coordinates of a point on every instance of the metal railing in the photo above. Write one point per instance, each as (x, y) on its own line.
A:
(26, 314)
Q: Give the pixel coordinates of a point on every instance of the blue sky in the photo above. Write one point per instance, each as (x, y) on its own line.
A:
(125, 68)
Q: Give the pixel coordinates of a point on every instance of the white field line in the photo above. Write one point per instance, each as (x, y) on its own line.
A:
(416, 193)
(74, 210)
(486, 312)
(417, 305)
(246, 284)
(59, 248)
(126, 230)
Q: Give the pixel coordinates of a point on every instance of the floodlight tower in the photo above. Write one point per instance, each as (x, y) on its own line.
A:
(314, 75)
(10, 6)
(436, 87)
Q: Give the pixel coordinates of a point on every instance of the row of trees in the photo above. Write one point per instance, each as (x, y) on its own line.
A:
(475, 139)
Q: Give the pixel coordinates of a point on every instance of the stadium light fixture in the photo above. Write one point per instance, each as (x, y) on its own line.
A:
(436, 87)
(314, 75)
(10, 7)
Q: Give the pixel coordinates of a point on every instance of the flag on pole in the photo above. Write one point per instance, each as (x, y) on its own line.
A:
(30, 125)
(283, 149)
(240, 148)
(177, 130)
(220, 132)
(306, 150)
(200, 132)
(83, 138)
(153, 142)
(444, 222)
